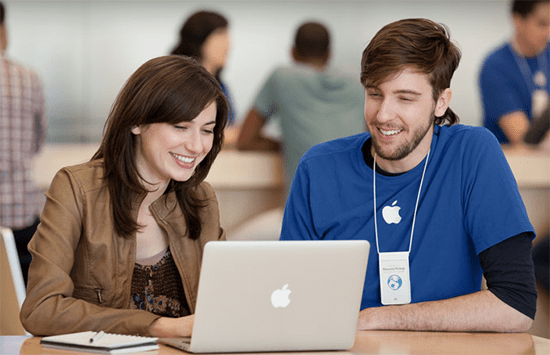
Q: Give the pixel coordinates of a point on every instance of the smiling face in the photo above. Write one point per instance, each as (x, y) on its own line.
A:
(399, 114)
(172, 152)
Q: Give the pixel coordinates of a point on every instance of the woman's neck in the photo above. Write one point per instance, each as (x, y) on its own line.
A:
(211, 68)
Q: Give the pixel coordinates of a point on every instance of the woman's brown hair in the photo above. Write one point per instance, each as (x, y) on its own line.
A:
(418, 43)
(168, 89)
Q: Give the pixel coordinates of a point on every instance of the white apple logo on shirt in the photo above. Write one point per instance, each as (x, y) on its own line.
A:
(391, 213)
(279, 298)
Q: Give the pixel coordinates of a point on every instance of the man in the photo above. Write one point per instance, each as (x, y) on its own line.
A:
(515, 78)
(438, 203)
(22, 134)
(314, 103)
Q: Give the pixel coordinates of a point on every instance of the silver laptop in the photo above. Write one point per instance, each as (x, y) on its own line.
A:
(257, 296)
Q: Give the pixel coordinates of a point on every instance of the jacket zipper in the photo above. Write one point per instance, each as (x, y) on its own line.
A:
(99, 297)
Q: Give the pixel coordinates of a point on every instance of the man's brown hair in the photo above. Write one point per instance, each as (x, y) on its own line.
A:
(418, 43)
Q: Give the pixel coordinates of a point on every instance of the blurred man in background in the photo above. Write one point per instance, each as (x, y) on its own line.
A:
(22, 134)
(515, 78)
(314, 103)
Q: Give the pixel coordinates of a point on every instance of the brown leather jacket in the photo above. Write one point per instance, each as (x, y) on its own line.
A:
(81, 272)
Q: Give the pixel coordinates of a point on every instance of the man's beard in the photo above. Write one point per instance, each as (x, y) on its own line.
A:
(406, 148)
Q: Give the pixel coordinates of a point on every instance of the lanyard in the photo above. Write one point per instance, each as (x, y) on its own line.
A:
(541, 76)
(415, 207)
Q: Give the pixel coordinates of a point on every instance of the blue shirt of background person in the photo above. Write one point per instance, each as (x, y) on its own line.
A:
(514, 79)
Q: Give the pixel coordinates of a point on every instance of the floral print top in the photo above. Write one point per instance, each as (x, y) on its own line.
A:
(157, 287)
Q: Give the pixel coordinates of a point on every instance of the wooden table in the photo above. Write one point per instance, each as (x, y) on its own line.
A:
(371, 342)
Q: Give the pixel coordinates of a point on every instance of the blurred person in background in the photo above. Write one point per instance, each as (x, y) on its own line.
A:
(515, 77)
(313, 102)
(22, 134)
(205, 37)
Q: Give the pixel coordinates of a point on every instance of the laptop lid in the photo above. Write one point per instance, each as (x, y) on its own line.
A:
(279, 295)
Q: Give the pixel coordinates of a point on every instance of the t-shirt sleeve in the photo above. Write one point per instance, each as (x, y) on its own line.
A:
(266, 101)
(493, 207)
(509, 271)
(297, 219)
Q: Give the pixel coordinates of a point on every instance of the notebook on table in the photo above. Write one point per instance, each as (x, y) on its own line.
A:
(257, 296)
(103, 343)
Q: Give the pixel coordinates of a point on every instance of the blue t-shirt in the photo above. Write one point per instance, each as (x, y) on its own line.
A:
(469, 202)
(504, 88)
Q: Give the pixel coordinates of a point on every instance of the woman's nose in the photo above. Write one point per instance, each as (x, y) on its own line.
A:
(194, 143)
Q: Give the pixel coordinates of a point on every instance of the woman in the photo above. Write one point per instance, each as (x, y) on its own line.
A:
(120, 243)
(205, 36)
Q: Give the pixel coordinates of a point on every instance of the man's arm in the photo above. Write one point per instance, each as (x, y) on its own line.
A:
(514, 125)
(509, 304)
(251, 138)
(479, 311)
(539, 128)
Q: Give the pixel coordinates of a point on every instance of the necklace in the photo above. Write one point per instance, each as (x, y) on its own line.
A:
(415, 207)
(394, 267)
(536, 83)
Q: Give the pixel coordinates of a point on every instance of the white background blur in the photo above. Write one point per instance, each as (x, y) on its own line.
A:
(85, 50)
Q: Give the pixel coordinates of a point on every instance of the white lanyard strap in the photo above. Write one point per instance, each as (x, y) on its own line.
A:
(415, 207)
(527, 72)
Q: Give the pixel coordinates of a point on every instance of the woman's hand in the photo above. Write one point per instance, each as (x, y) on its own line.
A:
(172, 327)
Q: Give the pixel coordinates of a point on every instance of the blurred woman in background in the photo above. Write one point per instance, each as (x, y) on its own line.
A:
(205, 36)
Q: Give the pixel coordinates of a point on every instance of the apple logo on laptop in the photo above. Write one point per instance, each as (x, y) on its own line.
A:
(279, 297)
(391, 214)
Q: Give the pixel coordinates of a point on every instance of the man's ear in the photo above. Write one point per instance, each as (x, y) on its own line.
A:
(294, 54)
(443, 102)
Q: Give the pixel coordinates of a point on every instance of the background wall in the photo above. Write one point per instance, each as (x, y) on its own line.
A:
(85, 50)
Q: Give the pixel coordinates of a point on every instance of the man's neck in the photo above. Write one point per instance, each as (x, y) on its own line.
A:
(523, 49)
(318, 65)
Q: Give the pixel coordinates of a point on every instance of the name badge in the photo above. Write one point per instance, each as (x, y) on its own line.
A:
(539, 103)
(395, 281)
